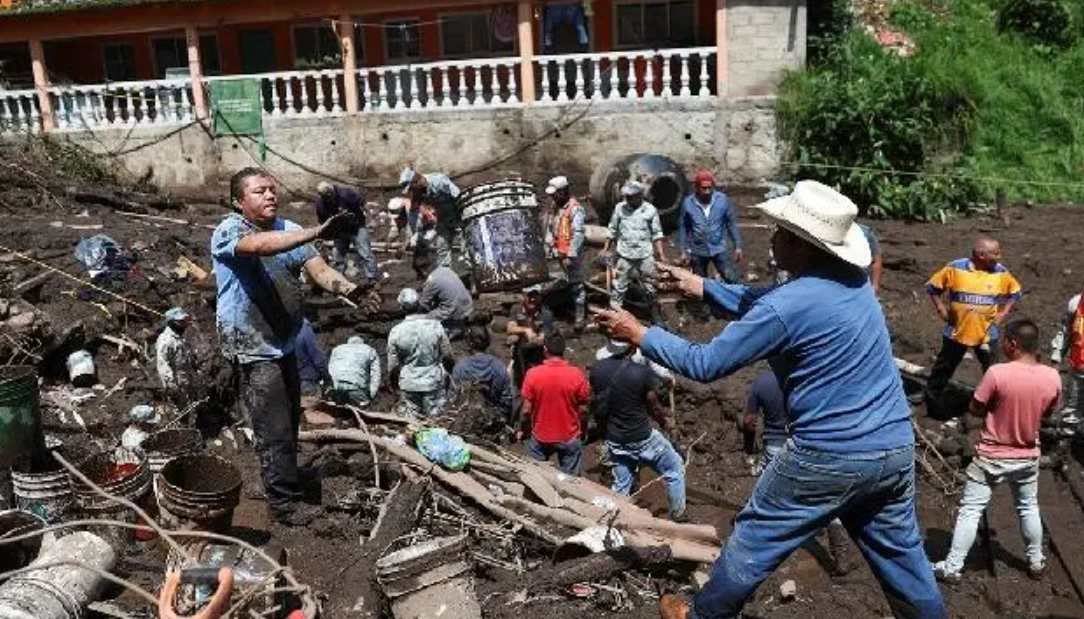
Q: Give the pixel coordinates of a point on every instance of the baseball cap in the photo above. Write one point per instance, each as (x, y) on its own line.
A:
(176, 314)
(556, 183)
(408, 297)
(632, 188)
(535, 289)
(324, 187)
(703, 177)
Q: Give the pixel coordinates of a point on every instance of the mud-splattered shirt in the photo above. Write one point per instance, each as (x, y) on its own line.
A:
(635, 230)
(417, 347)
(259, 298)
(172, 359)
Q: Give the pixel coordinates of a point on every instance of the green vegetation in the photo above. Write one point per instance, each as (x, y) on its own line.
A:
(979, 100)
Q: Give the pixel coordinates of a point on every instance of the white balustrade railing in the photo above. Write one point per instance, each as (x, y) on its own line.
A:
(474, 83)
(301, 93)
(686, 73)
(19, 111)
(122, 104)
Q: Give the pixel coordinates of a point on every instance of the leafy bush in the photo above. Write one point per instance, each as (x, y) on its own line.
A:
(827, 24)
(1048, 24)
(869, 122)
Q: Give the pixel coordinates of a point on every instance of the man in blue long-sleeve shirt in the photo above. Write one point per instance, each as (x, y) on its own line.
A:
(708, 229)
(851, 449)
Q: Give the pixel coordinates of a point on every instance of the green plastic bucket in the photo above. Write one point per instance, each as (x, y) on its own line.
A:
(20, 415)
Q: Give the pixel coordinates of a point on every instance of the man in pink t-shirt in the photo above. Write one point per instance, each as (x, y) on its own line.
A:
(1013, 397)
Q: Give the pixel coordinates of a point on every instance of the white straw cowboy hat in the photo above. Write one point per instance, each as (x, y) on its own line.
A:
(824, 217)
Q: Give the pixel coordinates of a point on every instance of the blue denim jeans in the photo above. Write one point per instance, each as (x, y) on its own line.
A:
(569, 454)
(364, 249)
(872, 493)
(722, 263)
(656, 452)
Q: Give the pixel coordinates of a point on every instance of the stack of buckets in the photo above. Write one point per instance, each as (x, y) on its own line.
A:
(29, 479)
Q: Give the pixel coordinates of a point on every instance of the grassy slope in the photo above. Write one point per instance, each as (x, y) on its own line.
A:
(1028, 106)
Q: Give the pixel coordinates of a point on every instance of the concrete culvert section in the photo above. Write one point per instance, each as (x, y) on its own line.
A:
(664, 178)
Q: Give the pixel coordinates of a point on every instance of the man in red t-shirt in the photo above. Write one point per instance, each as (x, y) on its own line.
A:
(555, 398)
(1013, 397)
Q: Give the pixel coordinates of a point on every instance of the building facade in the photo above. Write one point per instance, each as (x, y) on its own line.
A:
(89, 66)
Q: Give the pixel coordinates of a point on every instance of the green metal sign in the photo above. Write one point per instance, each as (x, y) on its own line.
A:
(237, 107)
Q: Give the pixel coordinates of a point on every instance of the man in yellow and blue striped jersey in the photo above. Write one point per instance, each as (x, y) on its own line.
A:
(980, 292)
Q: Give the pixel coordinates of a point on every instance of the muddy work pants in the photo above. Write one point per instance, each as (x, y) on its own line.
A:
(270, 401)
(642, 270)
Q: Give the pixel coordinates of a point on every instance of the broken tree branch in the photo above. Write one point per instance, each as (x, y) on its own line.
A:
(463, 483)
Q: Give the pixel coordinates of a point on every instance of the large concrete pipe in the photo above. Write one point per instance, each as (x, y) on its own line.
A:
(664, 178)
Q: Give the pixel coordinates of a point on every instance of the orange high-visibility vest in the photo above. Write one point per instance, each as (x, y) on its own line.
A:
(1076, 338)
(562, 228)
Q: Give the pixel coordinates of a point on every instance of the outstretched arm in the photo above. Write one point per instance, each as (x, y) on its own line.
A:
(758, 335)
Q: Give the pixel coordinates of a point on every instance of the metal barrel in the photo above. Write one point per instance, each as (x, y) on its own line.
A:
(503, 235)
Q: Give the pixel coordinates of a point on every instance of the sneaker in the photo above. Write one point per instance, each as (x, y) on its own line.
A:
(673, 606)
(682, 518)
(917, 398)
(950, 578)
(1036, 572)
(300, 515)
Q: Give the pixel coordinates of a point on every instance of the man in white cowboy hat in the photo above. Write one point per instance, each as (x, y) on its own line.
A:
(850, 453)
(173, 358)
(566, 235)
(439, 193)
(636, 236)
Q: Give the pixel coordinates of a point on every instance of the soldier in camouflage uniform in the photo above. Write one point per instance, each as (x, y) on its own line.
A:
(634, 230)
(174, 361)
(419, 355)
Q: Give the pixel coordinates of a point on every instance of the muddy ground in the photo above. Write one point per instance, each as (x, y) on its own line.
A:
(1037, 246)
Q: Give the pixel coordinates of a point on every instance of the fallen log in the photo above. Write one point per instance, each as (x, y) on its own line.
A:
(598, 566)
(633, 520)
(683, 549)
(508, 487)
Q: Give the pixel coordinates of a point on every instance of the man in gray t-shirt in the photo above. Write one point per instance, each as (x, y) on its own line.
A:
(444, 297)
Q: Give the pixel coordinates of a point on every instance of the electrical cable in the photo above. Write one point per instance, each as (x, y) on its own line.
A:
(892, 171)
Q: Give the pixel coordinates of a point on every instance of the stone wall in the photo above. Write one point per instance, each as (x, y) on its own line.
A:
(735, 138)
(766, 38)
